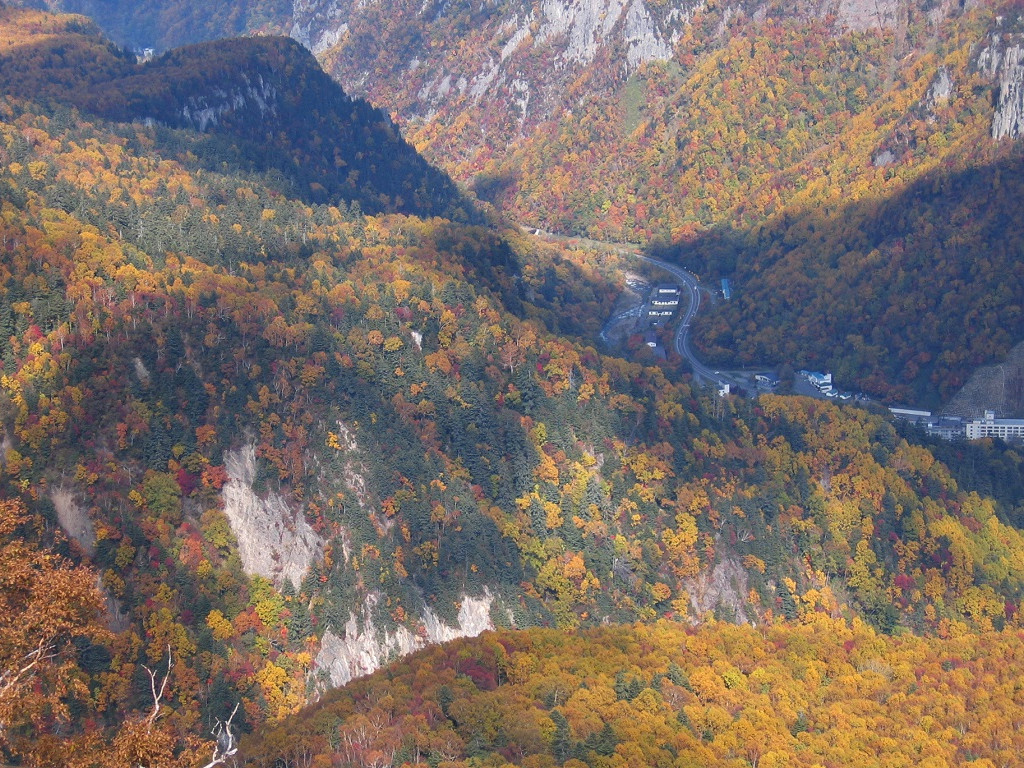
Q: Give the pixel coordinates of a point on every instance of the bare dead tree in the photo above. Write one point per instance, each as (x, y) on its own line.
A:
(158, 695)
(225, 745)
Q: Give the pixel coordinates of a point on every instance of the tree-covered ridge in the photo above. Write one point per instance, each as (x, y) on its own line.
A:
(130, 367)
(263, 104)
(902, 296)
(819, 692)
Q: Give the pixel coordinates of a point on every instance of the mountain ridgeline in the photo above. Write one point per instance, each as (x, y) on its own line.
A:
(262, 103)
(738, 137)
(162, 25)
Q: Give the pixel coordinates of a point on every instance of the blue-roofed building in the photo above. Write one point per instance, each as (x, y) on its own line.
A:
(819, 380)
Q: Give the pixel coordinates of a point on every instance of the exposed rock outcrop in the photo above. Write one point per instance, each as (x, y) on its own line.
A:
(318, 24)
(537, 48)
(941, 89)
(586, 25)
(861, 15)
(360, 647)
(274, 540)
(74, 519)
(1007, 65)
(998, 388)
(206, 111)
(724, 585)
(643, 41)
(353, 473)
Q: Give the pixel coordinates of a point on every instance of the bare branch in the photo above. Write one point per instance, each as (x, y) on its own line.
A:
(225, 746)
(10, 679)
(158, 695)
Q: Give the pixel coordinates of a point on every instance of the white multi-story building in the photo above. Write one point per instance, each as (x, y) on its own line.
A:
(665, 296)
(663, 303)
(990, 426)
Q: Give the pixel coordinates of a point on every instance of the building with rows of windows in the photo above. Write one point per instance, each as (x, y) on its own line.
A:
(990, 426)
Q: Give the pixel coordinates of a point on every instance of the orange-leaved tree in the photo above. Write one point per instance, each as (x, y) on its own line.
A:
(46, 604)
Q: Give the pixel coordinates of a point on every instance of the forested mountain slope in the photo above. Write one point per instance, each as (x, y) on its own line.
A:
(824, 692)
(293, 439)
(165, 24)
(263, 104)
(902, 296)
(748, 135)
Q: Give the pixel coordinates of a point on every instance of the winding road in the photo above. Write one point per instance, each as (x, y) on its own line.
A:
(682, 337)
(681, 342)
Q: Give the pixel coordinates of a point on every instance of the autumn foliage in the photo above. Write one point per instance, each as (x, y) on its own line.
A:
(421, 392)
(816, 693)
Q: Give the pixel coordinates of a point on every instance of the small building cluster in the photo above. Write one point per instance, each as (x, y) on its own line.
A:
(956, 428)
(821, 381)
(663, 303)
(946, 427)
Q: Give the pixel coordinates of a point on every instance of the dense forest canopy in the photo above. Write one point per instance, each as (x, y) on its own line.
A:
(822, 692)
(791, 148)
(190, 333)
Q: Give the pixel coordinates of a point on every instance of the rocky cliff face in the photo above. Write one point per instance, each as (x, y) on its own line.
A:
(521, 55)
(360, 647)
(203, 112)
(74, 519)
(579, 28)
(584, 26)
(473, 80)
(1003, 59)
(274, 539)
(865, 14)
(319, 24)
(722, 586)
(999, 388)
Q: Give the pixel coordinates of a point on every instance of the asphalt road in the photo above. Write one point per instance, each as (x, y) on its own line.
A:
(682, 339)
(701, 372)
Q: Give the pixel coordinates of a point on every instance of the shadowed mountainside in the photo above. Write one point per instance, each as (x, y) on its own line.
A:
(902, 296)
(262, 104)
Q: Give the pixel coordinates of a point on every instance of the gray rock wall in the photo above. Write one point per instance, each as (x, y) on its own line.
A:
(1008, 120)
(274, 539)
(360, 647)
